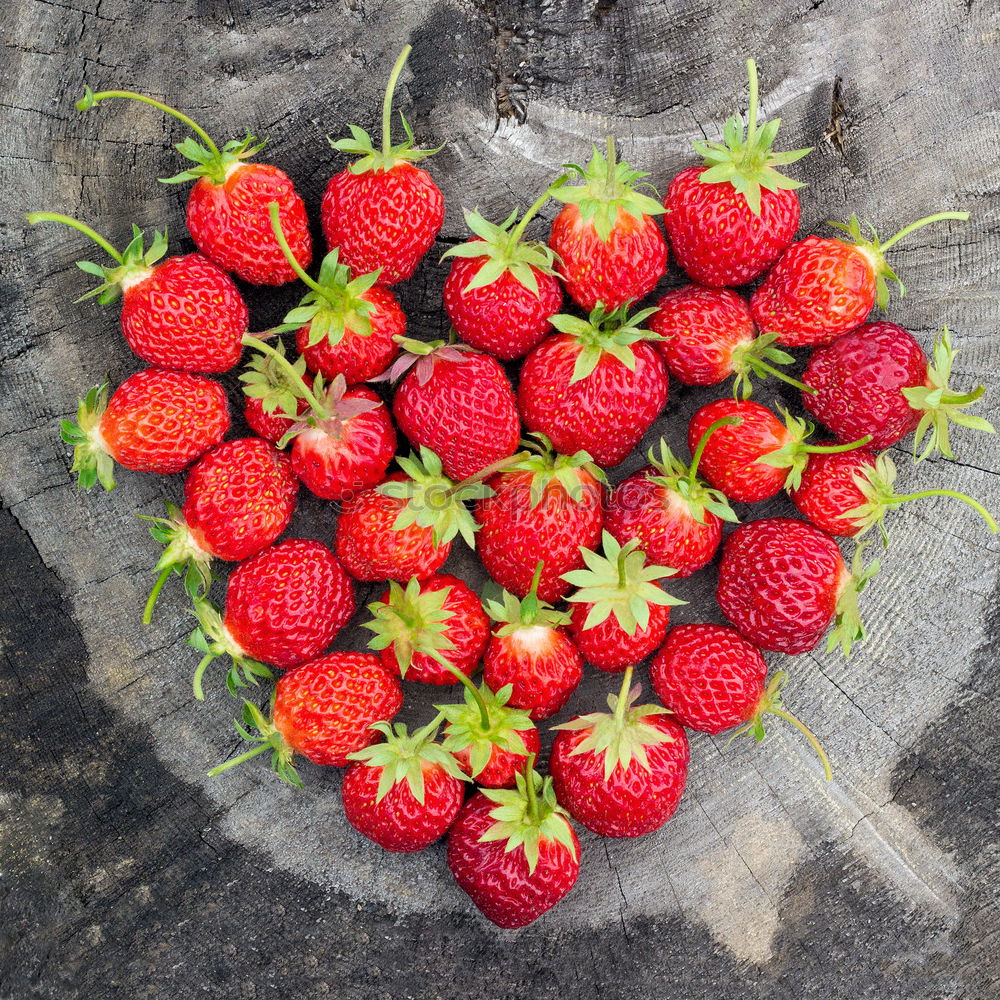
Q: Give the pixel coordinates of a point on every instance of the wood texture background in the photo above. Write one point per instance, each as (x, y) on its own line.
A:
(125, 872)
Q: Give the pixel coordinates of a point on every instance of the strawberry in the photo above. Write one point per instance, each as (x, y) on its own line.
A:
(544, 508)
(155, 421)
(822, 288)
(183, 313)
(730, 219)
(382, 212)
(531, 652)
(878, 381)
(227, 213)
(620, 613)
(457, 402)
(430, 629)
(610, 249)
(782, 582)
(620, 773)
(324, 710)
(514, 852)
(270, 394)
(405, 792)
(594, 386)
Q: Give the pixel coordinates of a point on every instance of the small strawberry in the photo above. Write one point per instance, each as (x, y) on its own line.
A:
(822, 288)
(383, 212)
(730, 219)
(155, 421)
(270, 394)
(405, 792)
(183, 313)
(621, 773)
(611, 251)
(782, 582)
(227, 213)
(595, 386)
(514, 852)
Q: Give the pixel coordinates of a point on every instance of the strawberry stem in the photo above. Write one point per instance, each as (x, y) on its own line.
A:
(199, 673)
(778, 373)
(609, 180)
(899, 498)
(623, 703)
(529, 788)
(490, 470)
(147, 611)
(939, 217)
(36, 217)
(484, 715)
(288, 371)
(516, 232)
(751, 112)
(387, 101)
(239, 760)
(808, 733)
(730, 421)
(833, 449)
(279, 235)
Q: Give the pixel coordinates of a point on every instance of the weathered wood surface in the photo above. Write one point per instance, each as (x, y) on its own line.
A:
(125, 872)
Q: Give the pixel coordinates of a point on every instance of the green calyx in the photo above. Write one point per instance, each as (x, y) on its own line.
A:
(212, 639)
(267, 378)
(547, 466)
(757, 358)
(609, 187)
(421, 356)
(513, 614)
(619, 583)
(411, 621)
(266, 738)
(91, 461)
(848, 628)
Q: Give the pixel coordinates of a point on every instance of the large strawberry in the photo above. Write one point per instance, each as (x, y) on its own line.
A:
(595, 386)
(227, 212)
(382, 211)
(621, 773)
(183, 313)
(822, 288)
(730, 219)
(514, 852)
(155, 421)
(610, 249)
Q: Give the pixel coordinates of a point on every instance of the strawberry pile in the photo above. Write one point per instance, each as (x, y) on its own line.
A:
(554, 373)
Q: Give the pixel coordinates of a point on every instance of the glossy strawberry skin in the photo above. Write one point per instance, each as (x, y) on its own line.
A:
(505, 318)
(230, 224)
(285, 605)
(500, 883)
(608, 646)
(384, 219)
(779, 581)
(161, 421)
(625, 269)
(709, 677)
(819, 290)
(324, 708)
(399, 823)
(503, 765)
(715, 236)
(270, 426)
(828, 489)
(630, 803)
(859, 380)
(465, 413)
(606, 413)
(239, 497)
(187, 314)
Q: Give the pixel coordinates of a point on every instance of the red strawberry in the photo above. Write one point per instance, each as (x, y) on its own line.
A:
(611, 250)
(405, 792)
(621, 774)
(782, 582)
(270, 394)
(594, 386)
(227, 213)
(514, 852)
(324, 710)
(383, 212)
(544, 508)
(156, 421)
(182, 313)
(730, 219)
(429, 630)
(822, 288)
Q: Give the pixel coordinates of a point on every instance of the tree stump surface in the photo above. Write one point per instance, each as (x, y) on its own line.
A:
(127, 873)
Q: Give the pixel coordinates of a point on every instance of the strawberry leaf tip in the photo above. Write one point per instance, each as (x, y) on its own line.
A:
(673, 475)
(91, 461)
(212, 639)
(547, 466)
(848, 628)
(410, 621)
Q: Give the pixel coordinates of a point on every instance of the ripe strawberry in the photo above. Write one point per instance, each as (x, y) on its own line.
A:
(531, 652)
(458, 403)
(383, 212)
(594, 386)
(730, 219)
(270, 394)
(514, 852)
(227, 212)
(822, 288)
(324, 710)
(183, 313)
(611, 250)
(878, 381)
(544, 508)
(620, 613)
(155, 421)
(621, 774)
(782, 582)
(429, 630)
(405, 792)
